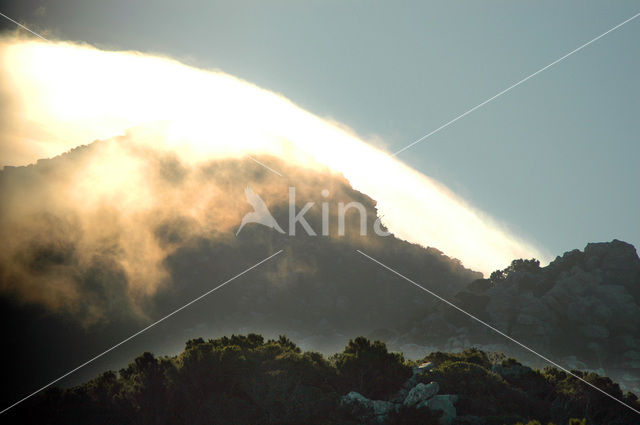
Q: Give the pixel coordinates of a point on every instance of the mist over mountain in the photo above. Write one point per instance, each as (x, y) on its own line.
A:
(61, 95)
(81, 270)
(317, 208)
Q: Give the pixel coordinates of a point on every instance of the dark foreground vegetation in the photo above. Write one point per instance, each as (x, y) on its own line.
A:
(247, 380)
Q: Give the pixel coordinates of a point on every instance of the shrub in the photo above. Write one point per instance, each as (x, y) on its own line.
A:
(471, 355)
(481, 392)
(370, 369)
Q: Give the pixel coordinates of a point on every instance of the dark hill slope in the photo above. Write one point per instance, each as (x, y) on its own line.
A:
(582, 310)
(82, 269)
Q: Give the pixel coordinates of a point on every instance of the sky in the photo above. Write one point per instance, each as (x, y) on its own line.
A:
(60, 95)
(555, 159)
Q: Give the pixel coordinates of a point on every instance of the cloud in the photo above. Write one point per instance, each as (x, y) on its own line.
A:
(58, 96)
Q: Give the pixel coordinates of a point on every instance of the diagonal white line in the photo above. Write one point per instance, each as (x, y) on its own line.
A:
(480, 105)
(25, 28)
(141, 331)
(264, 165)
(369, 257)
(38, 35)
(496, 330)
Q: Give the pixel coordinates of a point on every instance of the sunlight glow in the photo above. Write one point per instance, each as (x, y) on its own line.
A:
(58, 96)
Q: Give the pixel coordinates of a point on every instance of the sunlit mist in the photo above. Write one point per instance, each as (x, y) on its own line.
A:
(58, 96)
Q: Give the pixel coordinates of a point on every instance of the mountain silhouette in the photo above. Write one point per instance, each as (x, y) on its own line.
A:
(78, 274)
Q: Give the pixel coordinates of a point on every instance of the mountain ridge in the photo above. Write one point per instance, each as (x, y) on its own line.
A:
(65, 270)
(321, 292)
(580, 310)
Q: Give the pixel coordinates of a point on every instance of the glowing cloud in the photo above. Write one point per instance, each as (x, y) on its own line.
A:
(60, 95)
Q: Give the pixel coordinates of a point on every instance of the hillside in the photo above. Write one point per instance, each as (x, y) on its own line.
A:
(79, 272)
(581, 310)
(250, 380)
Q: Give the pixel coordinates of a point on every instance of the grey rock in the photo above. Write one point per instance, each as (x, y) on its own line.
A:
(367, 410)
(354, 398)
(382, 408)
(420, 393)
(399, 396)
(444, 403)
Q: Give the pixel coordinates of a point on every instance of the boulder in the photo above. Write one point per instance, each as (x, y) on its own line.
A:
(411, 382)
(420, 393)
(366, 410)
(443, 403)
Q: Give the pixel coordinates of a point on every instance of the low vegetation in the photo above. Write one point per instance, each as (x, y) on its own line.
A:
(250, 380)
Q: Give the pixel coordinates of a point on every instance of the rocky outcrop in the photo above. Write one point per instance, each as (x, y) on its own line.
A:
(400, 396)
(414, 394)
(582, 310)
(421, 393)
(366, 410)
(445, 404)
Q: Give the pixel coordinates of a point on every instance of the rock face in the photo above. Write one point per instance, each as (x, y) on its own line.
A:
(367, 410)
(582, 310)
(421, 393)
(416, 396)
(444, 403)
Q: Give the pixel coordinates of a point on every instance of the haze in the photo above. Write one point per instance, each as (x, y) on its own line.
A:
(63, 95)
